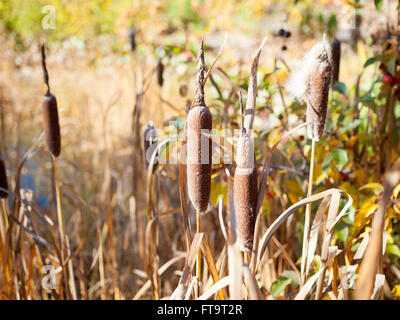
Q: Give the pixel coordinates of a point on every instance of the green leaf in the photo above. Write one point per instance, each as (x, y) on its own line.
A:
(393, 249)
(291, 275)
(341, 87)
(367, 99)
(342, 232)
(391, 64)
(370, 61)
(327, 161)
(350, 126)
(378, 4)
(279, 285)
(340, 156)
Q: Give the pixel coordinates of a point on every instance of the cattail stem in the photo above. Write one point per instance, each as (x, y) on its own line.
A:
(198, 262)
(307, 222)
(60, 212)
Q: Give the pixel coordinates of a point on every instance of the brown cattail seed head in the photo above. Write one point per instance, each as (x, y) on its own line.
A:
(199, 146)
(245, 191)
(160, 72)
(310, 82)
(51, 124)
(317, 91)
(335, 62)
(3, 179)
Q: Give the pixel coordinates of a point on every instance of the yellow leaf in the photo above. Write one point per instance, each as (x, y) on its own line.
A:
(396, 291)
(360, 176)
(367, 208)
(372, 185)
(273, 136)
(294, 187)
(396, 191)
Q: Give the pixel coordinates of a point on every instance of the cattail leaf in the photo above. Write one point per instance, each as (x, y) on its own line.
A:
(279, 285)
(340, 157)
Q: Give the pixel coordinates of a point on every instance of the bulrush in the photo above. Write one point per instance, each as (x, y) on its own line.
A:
(335, 62)
(311, 82)
(245, 190)
(3, 180)
(50, 115)
(198, 145)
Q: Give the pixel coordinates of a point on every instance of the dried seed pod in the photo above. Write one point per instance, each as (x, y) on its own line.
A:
(160, 72)
(199, 147)
(245, 188)
(132, 38)
(3, 179)
(317, 91)
(51, 124)
(335, 61)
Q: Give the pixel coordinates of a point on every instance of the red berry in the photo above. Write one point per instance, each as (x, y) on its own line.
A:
(280, 117)
(388, 79)
(384, 266)
(269, 195)
(301, 138)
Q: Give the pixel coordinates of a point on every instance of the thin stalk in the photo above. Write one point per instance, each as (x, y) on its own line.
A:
(5, 211)
(60, 216)
(307, 222)
(198, 262)
(60, 212)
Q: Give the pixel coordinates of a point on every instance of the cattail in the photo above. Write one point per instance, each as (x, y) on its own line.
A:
(245, 191)
(335, 62)
(3, 180)
(160, 72)
(311, 82)
(50, 115)
(199, 146)
(132, 38)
